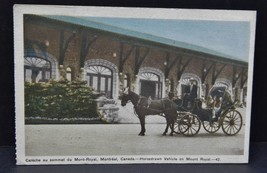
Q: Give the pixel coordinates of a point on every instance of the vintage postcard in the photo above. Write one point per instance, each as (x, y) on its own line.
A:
(109, 85)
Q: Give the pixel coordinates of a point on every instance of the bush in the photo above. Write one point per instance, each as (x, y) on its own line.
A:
(59, 100)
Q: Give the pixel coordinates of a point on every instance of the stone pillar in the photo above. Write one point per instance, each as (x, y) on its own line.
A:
(179, 89)
(235, 94)
(241, 95)
(121, 83)
(167, 86)
(136, 87)
(62, 72)
(203, 91)
(81, 75)
(207, 90)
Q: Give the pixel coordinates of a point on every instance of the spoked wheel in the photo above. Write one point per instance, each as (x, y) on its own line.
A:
(232, 122)
(176, 123)
(176, 127)
(211, 127)
(189, 125)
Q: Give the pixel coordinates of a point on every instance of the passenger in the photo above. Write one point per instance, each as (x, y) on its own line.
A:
(210, 102)
(216, 106)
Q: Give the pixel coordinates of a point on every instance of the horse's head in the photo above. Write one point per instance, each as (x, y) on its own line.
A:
(125, 96)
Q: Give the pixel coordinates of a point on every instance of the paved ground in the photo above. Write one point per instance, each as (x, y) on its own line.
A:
(122, 139)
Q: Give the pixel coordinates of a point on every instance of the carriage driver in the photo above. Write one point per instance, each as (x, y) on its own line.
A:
(192, 95)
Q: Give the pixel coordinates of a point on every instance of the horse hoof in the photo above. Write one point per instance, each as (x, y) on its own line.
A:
(164, 134)
(171, 134)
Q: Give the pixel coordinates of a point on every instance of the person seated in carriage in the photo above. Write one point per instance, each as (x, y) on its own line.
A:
(216, 106)
(209, 102)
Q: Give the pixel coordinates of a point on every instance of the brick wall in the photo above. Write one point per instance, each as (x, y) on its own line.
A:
(107, 47)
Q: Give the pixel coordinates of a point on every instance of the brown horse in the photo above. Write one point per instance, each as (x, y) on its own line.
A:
(143, 106)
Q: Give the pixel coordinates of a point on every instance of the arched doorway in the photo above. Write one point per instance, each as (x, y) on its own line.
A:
(221, 82)
(151, 82)
(150, 85)
(100, 79)
(102, 75)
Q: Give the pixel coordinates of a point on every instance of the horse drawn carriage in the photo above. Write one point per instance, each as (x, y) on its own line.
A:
(187, 121)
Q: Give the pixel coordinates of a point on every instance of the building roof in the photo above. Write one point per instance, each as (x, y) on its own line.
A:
(86, 22)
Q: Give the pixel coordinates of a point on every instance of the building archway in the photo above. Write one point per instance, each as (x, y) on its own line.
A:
(226, 84)
(151, 82)
(102, 75)
(222, 82)
(39, 66)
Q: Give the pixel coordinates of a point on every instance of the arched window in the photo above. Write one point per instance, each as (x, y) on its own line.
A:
(37, 69)
(150, 85)
(100, 78)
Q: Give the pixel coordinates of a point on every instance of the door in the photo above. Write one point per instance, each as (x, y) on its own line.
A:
(148, 88)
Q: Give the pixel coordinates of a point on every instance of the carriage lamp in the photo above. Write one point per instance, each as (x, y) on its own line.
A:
(204, 70)
(236, 75)
(114, 54)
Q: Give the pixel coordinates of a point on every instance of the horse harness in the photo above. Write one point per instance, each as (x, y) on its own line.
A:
(145, 103)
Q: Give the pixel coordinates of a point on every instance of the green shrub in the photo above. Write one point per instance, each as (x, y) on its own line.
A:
(60, 99)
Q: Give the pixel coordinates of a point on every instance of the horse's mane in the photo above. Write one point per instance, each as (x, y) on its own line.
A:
(133, 93)
(134, 96)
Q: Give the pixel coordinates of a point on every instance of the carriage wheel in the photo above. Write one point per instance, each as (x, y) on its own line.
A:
(232, 122)
(211, 127)
(189, 125)
(176, 127)
(176, 123)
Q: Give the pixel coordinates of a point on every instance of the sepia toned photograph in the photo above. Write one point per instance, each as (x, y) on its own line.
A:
(109, 85)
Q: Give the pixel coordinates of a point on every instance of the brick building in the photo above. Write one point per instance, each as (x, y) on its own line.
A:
(110, 58)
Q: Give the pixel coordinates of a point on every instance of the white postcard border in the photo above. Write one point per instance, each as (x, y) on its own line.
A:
(219, 15)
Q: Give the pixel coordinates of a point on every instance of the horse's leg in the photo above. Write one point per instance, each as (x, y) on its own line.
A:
(172, 116)
(172, 127)
(167, 126)
(142, 123)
